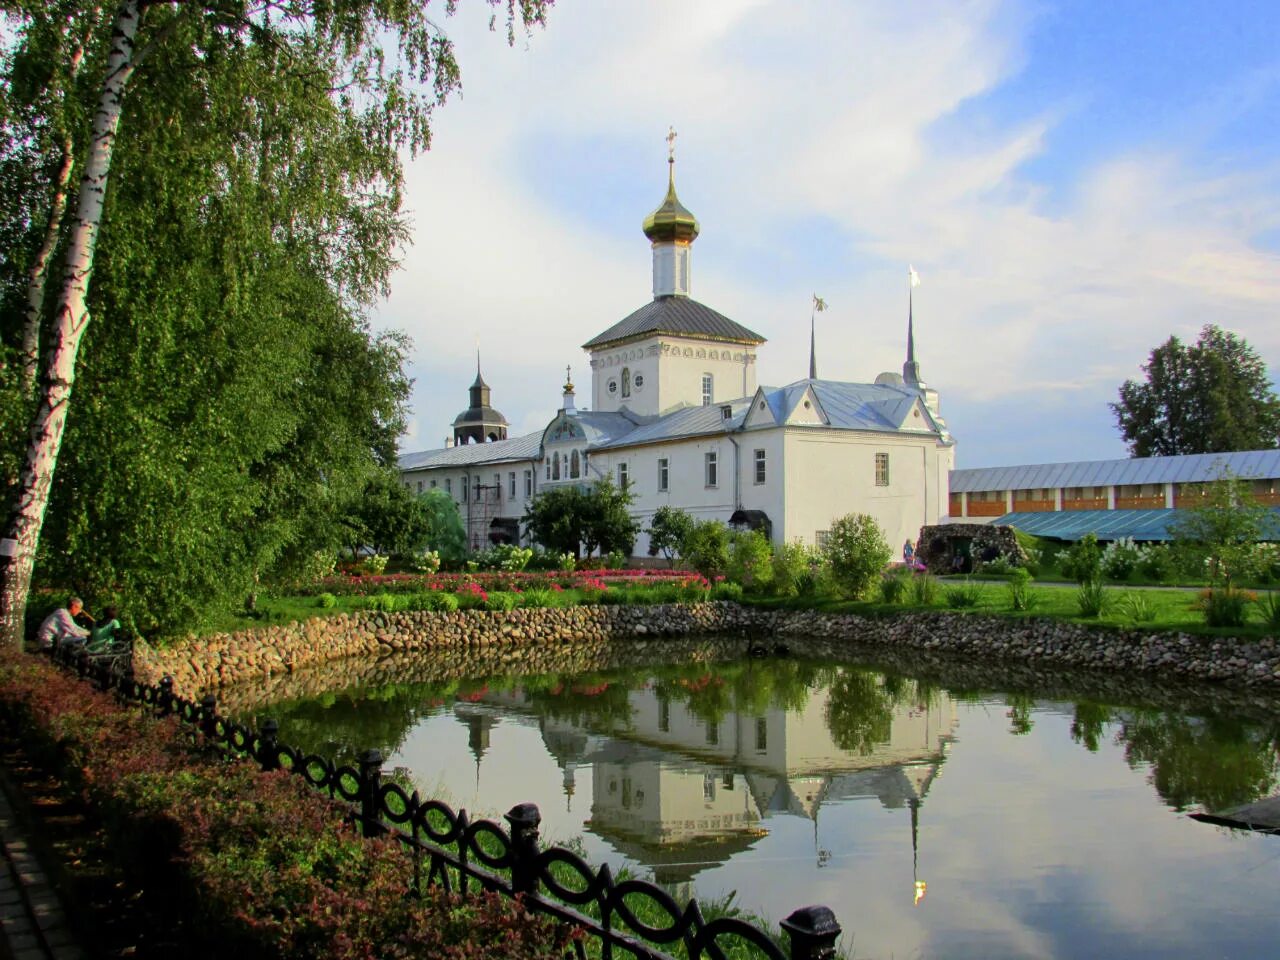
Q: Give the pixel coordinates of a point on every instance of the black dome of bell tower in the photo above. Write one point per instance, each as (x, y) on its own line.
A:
(479, 422)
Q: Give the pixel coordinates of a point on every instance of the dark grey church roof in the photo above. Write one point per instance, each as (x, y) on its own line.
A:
(679, 316)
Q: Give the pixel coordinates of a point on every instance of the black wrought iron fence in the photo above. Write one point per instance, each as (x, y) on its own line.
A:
(459, 854)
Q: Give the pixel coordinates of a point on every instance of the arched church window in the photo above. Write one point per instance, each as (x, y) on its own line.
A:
(626, 381)
(555, 466)
(575, 466)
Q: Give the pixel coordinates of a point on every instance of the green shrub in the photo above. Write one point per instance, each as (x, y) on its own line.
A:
(504, 556)
(964, 595)
(1156, 562)
(1269, 607)
(727, 591)
(1225, 607)
(567, 563)
(374, 566)
(427, 562)
(615, 560)
(999, 566)
(440, 602)
(791, 562)
(1136, 606)
(536, 597)
(705, 547)
(1091, 598)
(385, 602)
(326, 601)
(1120, 559)
(893, 586)
(750, 560)
(1020, 596)
(924, 589)
(1083, 562)
(502, 600)
(856, 553)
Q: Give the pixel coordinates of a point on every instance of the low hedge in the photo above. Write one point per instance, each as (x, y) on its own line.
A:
(256, 863)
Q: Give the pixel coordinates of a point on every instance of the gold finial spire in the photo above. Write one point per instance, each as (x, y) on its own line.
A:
(568, 379)
(671, 221)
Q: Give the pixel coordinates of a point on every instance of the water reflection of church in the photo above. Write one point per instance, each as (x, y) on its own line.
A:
(681, 794)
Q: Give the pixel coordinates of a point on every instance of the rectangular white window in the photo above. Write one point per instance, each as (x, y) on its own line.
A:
(511, 484)
(882, 469)
(760, 466)
(433, 484)
(707, 389)
(623, 476)
(464, 489)
(711, 469)
(419, 486)
(528, 483)
(821, 538)
(664, 474)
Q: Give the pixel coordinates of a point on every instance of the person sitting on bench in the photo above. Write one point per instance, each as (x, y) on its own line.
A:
(60, 626)
(101, 636)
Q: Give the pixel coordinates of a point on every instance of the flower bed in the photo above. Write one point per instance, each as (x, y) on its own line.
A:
(255, 863)
(359, 585)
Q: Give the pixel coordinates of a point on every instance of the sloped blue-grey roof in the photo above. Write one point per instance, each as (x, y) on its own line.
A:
(1107, 524)
(680, 316)
(1194, 468)
(469, 454)
(851, 406)
(685, 422)
(600, 428)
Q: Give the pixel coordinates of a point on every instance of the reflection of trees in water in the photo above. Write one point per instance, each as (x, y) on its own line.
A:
(710, 691)
(861, 705)
(1215, 761)
(602, 700)
(1089, 723)
(344, 723)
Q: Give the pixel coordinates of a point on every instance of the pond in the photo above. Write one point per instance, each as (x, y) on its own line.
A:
(941, 809)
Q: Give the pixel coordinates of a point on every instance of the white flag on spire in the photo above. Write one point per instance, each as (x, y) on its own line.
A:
(913, 277)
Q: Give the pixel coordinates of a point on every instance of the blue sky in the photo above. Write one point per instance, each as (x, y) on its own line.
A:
(1074, 181)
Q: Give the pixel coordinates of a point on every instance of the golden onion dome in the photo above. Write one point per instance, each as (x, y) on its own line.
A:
(672, 220)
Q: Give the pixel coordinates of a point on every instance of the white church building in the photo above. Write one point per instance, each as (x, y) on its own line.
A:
(676, 415)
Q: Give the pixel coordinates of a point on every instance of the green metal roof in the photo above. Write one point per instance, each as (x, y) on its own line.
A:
(1104, 524)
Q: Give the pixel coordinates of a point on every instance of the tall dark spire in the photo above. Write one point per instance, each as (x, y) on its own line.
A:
(818, 306)
(911, 369)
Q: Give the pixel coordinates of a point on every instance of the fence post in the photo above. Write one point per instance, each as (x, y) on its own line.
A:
(164, 702)
(370, 784)
(267, 731)
(524, 819)
(813, 932)
(209, 717)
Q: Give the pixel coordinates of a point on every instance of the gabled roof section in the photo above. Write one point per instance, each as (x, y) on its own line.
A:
(845, 406)
(1192, 468)
(761, 413)
(677, 316)
(469, 454)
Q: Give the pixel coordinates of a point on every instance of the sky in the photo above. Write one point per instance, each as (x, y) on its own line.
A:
(1074, 182)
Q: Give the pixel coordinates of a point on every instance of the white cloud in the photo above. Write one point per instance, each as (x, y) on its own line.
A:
(792, 113)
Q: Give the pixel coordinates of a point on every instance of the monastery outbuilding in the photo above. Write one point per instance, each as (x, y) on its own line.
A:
(676, 415)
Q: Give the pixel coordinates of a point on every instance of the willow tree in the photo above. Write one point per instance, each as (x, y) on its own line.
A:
(362, 75)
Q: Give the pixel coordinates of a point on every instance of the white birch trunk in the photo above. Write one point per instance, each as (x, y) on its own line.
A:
(40, 270)
(69, 322)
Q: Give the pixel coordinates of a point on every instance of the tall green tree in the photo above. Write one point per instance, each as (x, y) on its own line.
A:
(1212, 396)
(574, 519)
(1225, 526)
(232, 197)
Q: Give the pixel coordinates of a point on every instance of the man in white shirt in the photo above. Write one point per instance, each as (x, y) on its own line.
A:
(60, 626)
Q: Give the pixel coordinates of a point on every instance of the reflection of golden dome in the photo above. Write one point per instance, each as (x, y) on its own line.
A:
(671, 221)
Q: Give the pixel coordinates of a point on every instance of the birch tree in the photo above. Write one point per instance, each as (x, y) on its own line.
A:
(384, 64)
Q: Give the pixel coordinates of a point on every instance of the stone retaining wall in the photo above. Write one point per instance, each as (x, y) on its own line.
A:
(516, 636)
